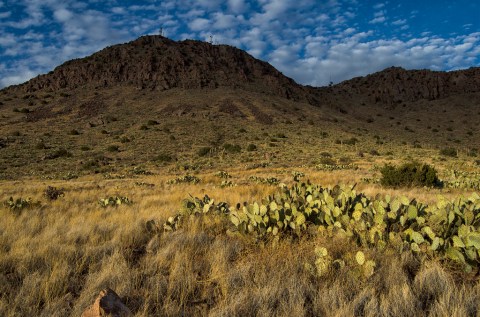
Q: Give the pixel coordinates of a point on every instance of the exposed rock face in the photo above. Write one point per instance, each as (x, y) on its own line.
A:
(397, 85)
(155, 62)
(108, 303)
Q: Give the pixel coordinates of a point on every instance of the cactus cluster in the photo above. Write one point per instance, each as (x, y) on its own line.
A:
(223, 174)
(144, 184)
(449, 228)
(462, 180)
(297, 175)
(194, 206)
(335, 167)
(114, 201)
(138, 170)
(264, 180)
(185, 179)
(227, 183)
(17, 205)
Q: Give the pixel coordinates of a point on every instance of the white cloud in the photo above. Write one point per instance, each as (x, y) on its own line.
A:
(376, 20)
(199, 24)
(62, 15)
(399, 22)
(356, 57)
(237, 6)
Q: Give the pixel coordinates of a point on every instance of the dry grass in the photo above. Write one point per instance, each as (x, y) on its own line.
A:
(54, 259)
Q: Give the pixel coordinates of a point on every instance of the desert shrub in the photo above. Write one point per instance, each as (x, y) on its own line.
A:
(84, 148)
(344, 160)
(409, 175)
(74, 132)
(164, 157)
(327, 161)
(251, 147)
(113, 148)
(325, 154)
(152, 122)
(351, 141)
(143, 127)
(40, 145)
(53, 193)
(232, 148)
(204, 151)
(451, 152)
(61, 152)
(124, 139)
(374, 152)
(473, 153)
(23, 110)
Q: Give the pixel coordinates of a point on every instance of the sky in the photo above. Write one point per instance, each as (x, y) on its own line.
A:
(313, 42)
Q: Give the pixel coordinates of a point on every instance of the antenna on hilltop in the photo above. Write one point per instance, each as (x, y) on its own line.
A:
(211, 39)
(160, 31)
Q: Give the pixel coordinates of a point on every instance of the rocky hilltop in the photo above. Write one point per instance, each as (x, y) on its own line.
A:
(397, 85)
(158, 63)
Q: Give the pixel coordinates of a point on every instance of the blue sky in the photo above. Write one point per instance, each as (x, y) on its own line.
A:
(314, 42)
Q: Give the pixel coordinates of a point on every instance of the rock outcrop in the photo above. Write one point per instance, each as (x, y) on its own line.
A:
(155, 62)
(108, 303)
(397, 85)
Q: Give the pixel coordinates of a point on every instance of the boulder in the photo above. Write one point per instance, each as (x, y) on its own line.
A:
(108, 303)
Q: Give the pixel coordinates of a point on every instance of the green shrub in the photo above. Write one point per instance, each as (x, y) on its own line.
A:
(204, 151)
(152, 122)
(327, 161)
(451, 152)
(124, 139)
(473, 153)
(74, 132)
(62, 152)
(164, 158)
(113, 148)
(251, 147)
(409, 175)
(232, 148)
(351, 141)
(40, 145)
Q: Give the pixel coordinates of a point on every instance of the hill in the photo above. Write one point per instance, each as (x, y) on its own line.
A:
(157, 101)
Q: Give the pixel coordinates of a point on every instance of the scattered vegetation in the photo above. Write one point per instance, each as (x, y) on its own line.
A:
(408, 175)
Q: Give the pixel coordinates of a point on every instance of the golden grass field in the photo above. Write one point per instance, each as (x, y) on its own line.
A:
(54, 259)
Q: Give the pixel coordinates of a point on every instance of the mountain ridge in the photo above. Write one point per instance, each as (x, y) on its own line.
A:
(157, 63)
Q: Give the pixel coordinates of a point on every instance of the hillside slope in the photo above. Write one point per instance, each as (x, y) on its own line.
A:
(157, 101)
